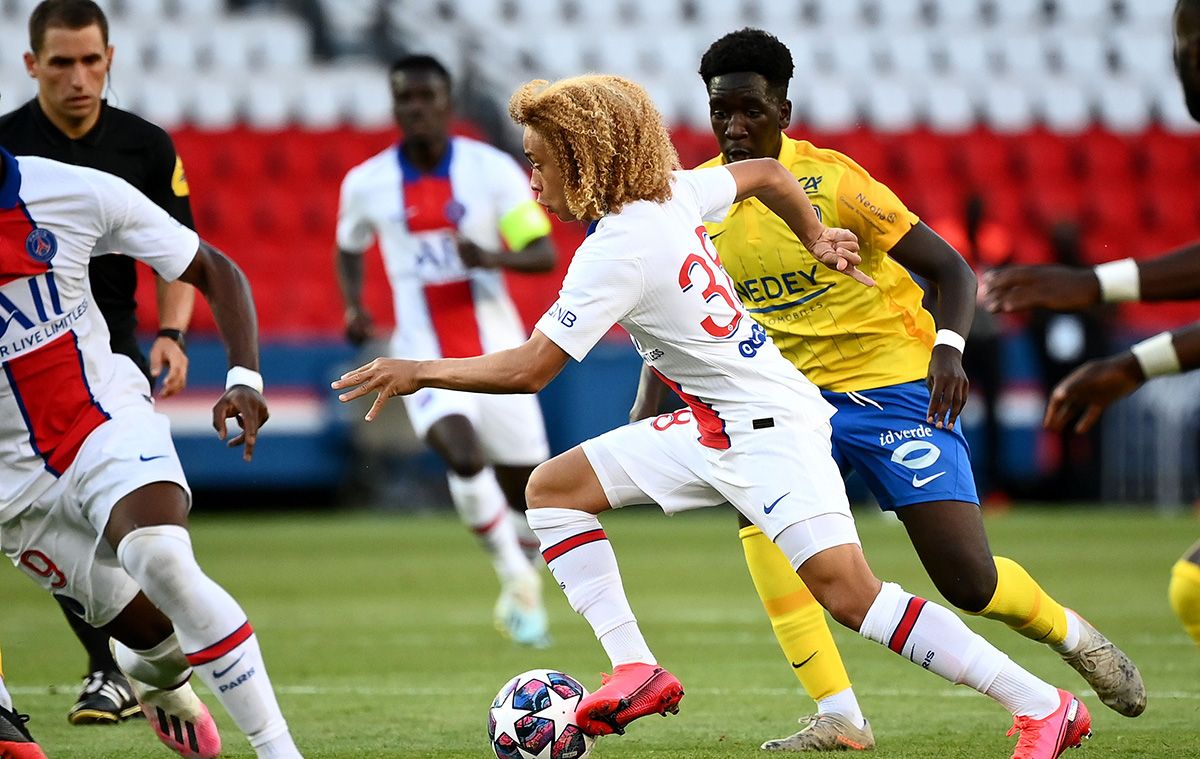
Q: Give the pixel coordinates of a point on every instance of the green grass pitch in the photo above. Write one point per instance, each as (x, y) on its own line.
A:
(377, 632)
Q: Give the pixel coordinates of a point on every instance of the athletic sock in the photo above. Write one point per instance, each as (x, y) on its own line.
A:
(211, 628)
(163, 667)
(843, 704)
(481, 505)
(1020, 603)
(934, 638)
(797, 620)
(1184, 592)
(581, 559)
(526, 539)
(5, 698)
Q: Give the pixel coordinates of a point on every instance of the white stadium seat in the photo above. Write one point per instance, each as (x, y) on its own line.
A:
(320, 100)
(1006, 106)
(1149, 14)
(170, 47)
(895, 15)
(947, 106)
(211, 102)
(827, 105)
(266, 102)
(1123, 106)
(905, 53)
(1020, 14)
(1083, 14)
(1172, 111)
(1023, 53)
(889, 106)
(1062, 104)
(1083, 54)
(967, 56)
(955, 15)
(1144, 54)
(160, 99)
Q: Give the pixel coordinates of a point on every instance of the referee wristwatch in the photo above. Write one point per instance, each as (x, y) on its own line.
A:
(176, 335)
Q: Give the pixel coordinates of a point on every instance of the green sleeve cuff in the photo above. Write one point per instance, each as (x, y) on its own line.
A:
(524, 224)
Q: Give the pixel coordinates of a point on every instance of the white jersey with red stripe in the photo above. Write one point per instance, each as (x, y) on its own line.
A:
(652, 269)
(59, 379)
(442, 308)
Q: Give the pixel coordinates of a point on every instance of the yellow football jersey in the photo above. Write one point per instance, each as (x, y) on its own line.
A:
(842, 335)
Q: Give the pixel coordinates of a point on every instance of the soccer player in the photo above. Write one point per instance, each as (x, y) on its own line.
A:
(15, 740)
(451, 215)
(755, 432)
(93, 501)
(895, 378)
(1095, 385)
(70, 122)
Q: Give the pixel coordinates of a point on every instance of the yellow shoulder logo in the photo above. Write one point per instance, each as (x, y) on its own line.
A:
(179, 183)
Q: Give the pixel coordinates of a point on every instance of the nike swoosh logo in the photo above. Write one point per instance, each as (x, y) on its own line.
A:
(718, 234)
(920, 482)
(222, 672)
(769, 509)
(144, 457)
(806, 661)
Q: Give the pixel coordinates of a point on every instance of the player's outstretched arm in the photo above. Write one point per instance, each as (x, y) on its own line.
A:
(768, 180)
(921, 250)
(227, 291)
(524, 369)
(1095, 385)
(1173, 276)
(537, 257)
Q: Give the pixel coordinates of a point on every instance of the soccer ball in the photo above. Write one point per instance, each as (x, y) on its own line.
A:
(533, 717)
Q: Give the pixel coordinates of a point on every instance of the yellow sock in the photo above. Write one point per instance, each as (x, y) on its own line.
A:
(1020, 603)
(796, 617)
(1184, 593)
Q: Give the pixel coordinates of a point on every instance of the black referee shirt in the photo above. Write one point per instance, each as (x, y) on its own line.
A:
(131, 148)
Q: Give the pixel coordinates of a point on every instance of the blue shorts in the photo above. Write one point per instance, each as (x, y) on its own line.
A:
(882, 434)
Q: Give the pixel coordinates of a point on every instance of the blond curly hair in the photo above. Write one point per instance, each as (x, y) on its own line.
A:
(607, 137)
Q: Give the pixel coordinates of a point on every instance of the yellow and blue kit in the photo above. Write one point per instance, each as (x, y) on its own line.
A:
(867, 348)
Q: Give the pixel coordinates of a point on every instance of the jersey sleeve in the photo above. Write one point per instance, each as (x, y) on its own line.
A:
(713, 189)
(140, 229)
(522, 220)
(869, 209)
(167, 185)
(595, 295)
(355, 231)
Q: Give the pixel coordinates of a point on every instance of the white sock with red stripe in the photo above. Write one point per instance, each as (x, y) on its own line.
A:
(163, 666)
(483, 508)
(530, 545)
(936, 639)
(581, 559)
(211, 625)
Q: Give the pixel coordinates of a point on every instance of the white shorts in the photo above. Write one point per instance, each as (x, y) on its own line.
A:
(58, 540)
(776, 477)
(510, 427)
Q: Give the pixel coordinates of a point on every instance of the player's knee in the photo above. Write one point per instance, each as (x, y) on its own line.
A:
(539, 490)
(466, 463)
(969, 591)
(160, 559)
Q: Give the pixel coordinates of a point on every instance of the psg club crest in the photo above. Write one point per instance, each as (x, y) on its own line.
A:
(41, 245)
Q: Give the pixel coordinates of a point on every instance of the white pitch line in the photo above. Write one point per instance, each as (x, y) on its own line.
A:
(409, 692)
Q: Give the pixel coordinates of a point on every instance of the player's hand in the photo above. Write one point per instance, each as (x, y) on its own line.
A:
(1090, 389)
(475, 257)
(384, 376)
(838, 249)
(1021, 288)
(358, 326)
(948, 386)
(165, 352)
(249, 408)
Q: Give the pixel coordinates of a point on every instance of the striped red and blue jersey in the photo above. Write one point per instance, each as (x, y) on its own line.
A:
(59, 380)
(442, 308)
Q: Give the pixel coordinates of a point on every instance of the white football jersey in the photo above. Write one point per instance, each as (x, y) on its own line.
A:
(443, 309)
(652, 269)
(60, 378)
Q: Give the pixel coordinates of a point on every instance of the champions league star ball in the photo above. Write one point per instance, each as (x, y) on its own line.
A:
(533, 717)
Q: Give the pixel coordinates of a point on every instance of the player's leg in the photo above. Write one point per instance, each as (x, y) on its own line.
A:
(632, 465)
(933, 638)
(148, 530)
(924, 474)
(949, 538)
(444, 419)
(106, 696)
(1184, 591)
(15, 740)
(513, 480)
(799, 624)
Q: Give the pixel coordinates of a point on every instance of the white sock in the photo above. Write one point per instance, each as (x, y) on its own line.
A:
(1023, 694)
(526, 539)
(163, 666)
(210, 625)
(481, 505)
(5, 698)
(934, 638)
(581, 559)
(844, 704)
(1074, 632)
